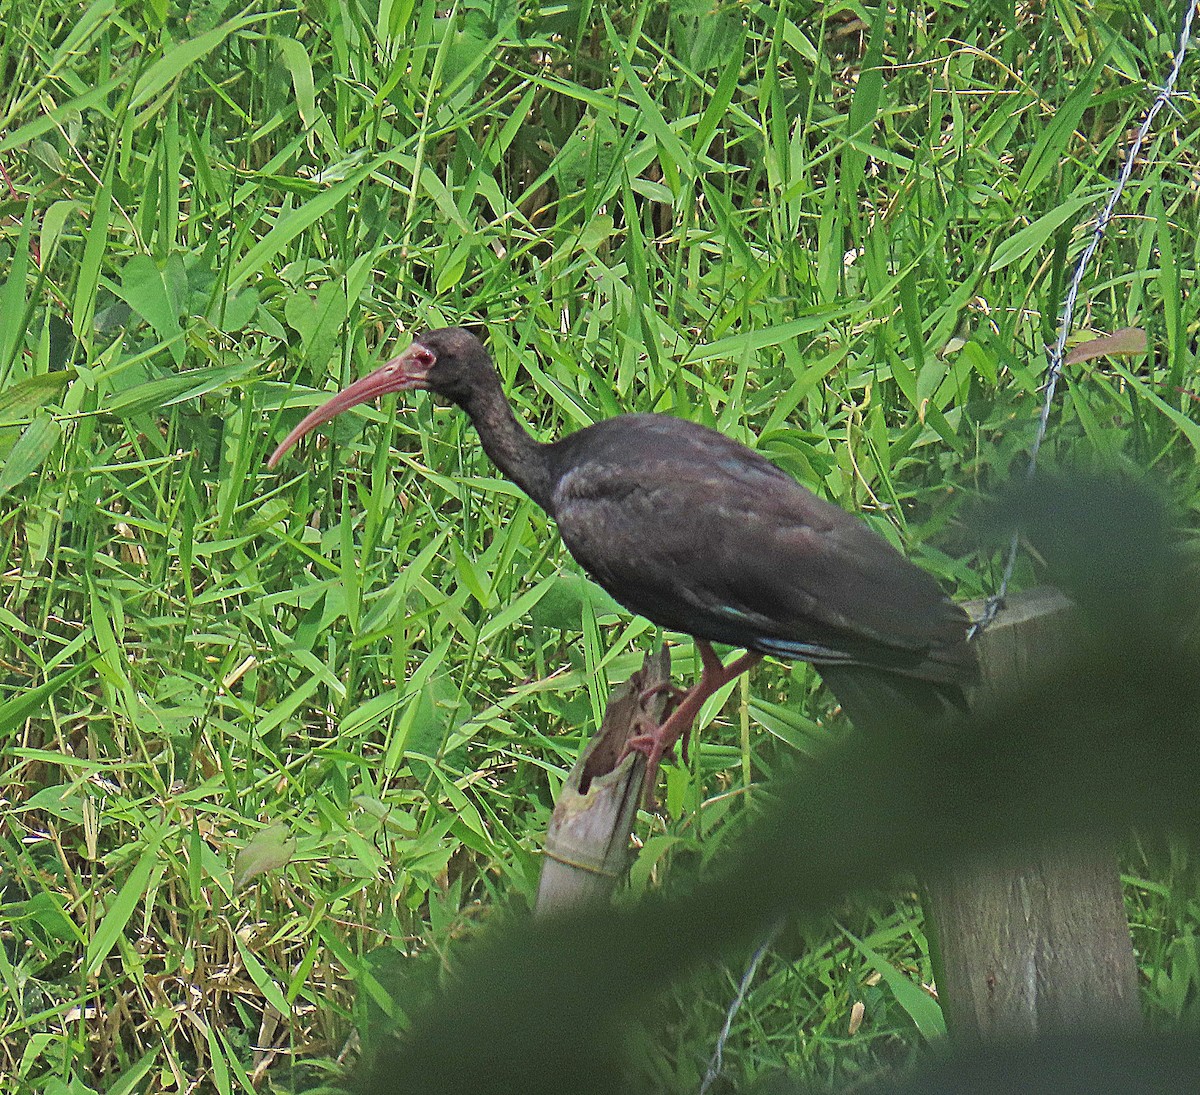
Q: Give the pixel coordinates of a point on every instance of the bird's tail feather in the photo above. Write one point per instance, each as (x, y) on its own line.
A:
(948, 664)
(879, 701)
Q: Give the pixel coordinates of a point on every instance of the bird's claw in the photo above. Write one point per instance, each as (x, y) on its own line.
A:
(651, 745)
(674, 692)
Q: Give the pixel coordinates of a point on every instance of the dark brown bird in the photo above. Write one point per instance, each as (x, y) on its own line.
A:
(700, 534)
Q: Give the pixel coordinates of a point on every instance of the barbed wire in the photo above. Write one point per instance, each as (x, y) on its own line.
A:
(716, 1061)
(1054, 366)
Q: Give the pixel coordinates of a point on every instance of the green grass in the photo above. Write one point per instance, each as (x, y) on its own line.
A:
(839, 236)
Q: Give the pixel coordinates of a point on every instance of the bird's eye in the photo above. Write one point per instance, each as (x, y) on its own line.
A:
(424, 357)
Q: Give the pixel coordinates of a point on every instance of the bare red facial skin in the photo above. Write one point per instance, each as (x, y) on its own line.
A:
(405, 372)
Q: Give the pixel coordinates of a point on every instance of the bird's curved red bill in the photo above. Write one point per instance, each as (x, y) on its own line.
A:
(403, 373)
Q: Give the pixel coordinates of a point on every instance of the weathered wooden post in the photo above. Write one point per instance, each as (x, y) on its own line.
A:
(587, 845)
(1042, 945)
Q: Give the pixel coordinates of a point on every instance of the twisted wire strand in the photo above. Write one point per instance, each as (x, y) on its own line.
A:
(1054, 366)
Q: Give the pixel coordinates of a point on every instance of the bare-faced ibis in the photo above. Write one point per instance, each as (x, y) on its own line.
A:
(699, 534)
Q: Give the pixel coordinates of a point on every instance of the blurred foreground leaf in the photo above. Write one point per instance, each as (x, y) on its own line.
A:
(1090, 748)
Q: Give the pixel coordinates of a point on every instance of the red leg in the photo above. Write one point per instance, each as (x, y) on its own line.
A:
(653, 744)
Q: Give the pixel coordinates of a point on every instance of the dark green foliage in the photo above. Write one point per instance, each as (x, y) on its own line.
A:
(839, 234)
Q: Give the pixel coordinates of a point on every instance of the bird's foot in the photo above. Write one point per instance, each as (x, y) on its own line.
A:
(656, 743)
(653, 746)
(675, 694)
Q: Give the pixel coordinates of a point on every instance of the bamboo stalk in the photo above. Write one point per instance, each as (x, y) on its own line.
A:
(587, 848)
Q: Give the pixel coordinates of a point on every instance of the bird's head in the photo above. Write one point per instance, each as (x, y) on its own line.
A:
(450, 362)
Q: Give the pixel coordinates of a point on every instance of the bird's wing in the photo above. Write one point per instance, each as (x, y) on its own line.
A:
(795, 556)
(732, 549)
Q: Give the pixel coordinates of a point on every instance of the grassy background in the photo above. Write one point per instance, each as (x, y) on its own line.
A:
(840, 234)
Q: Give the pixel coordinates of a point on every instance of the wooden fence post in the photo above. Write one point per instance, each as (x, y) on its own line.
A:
(587, 844)
(1040, 946)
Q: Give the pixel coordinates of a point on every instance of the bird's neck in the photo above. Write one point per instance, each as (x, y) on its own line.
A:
(509, 445)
